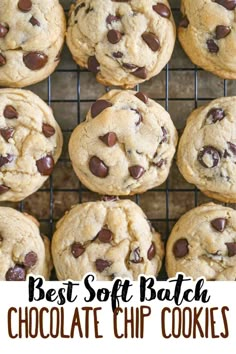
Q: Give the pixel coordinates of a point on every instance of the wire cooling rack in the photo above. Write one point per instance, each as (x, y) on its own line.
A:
(180, 88)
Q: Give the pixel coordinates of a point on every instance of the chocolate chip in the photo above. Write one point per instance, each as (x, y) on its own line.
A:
(228, 4)
(142, 97)
(25, 5)
(232, 148)
(35, 60)
(45, 165)
(212, 46)
(7, 133)
(164, 133)
(89, 9)
(180, 248)
(93, 64)
(162, 10)
(102, 264)
(135, 256)
(151, 252)
(109, 198)
(3, 189)
(130, 66)
(231, 248)
(111, 18)
(105, 236)
(160, 163)
(110, 139)
(77, 249)
(34, 21)
(141, 73)
(31, 259)
(3, 30)
(2, 60)
(48, 130)
(184, 22)
(136, 171)
(6, 159)
(99, 106)
(114, 36)
(98, 167)
(140, 120)
(16, 274)
(209, 157)
(219, 224)
(151, 40)
(117, 55)
(80, 6)
(216, 114)
(222, 31)
(10, 112)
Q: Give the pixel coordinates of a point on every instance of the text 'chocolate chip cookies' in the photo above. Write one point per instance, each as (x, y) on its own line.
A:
(31, 38)
(123, 42)
(22, 249)
(125, 146)
(207, 33)
(207, 149)
(110, 238)
(203, 243)
(30, 143)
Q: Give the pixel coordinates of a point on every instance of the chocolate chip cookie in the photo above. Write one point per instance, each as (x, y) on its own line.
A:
(110, 238)
(30, 143)
(122, 42)
(203, 243)
(207, 149)
(125, 146)
(22, 249)
(207, 34)
(31, 38)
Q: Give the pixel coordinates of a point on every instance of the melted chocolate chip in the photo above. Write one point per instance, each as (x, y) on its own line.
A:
(212, 46)
(151, 252)
(160, 163)
(130, 66)
(31, 259)
(3, 189)
(162, 10)
(231, 248)
(80, 6)
(164, 133)
(222, 31)
(135, 256)
(136, 171)
(77, 249)
(111, 18)
(25, 5)
(6, 159)
(184, 22)
(114, 36)
(216, 114)
(141, 73)
(34, 21)
(142, 97)
(35, 60)
(3, 30)
(99, 106)
(45, 165)
(228, 4)
(110, 139)
(105, 236)
(7, 133)
(180, 248)
(151, 40)
(93, 64)
(17, 273)
(232, 148)
(209, 157)
(140, 120)
(48, 130)
(219, 224)
(109, 198)
(117, 55)
(2, 60)
(10, 112)
(98, 167)
(102, 264)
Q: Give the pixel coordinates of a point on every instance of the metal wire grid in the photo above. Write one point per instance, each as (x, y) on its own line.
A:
(51, 220)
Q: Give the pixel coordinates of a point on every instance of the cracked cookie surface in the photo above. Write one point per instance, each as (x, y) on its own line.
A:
(31, 38)
(30, 143)
(207, 33)
(207, 149)
(22, 249)
(122, 42)
(203, 243)
(109, 238)
(125, 146)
